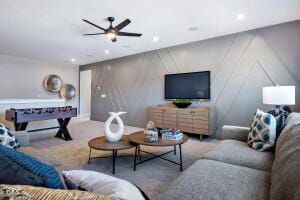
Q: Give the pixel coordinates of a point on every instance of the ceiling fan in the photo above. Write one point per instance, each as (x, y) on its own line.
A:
(113, 32)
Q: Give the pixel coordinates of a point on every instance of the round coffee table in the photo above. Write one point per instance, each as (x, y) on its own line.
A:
(101, 143)
(138, 139)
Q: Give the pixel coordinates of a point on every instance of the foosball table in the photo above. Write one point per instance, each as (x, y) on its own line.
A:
(63, 115)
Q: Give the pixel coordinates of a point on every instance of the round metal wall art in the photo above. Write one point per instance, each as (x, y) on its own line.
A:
(67, 92)
(53, 83)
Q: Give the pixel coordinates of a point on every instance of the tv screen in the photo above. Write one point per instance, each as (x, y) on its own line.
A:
(195, 85)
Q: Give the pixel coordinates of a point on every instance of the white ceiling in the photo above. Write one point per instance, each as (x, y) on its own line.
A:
(52, 29)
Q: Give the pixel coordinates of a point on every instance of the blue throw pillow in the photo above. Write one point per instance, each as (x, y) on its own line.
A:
(22, 169)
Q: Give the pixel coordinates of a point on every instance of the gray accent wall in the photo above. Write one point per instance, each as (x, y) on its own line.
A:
(240, 64)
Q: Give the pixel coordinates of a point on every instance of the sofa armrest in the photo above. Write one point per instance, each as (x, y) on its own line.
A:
(235, 133)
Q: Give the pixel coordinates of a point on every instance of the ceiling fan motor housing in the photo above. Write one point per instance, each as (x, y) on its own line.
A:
(111, 19)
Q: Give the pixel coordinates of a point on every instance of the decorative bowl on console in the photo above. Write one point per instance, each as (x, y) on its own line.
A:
(182, 103)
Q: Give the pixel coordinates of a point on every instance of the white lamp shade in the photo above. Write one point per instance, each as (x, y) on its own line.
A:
(279, 95)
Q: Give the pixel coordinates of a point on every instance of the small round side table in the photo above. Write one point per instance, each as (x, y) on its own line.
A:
(101, 143)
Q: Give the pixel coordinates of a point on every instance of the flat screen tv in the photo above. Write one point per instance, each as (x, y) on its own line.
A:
(194, 85)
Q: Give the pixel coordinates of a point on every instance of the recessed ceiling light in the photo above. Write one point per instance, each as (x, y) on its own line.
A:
(193, 28)
(72, 59)
(155, 39)
(240, 16)
(126, 46)
(106, 51)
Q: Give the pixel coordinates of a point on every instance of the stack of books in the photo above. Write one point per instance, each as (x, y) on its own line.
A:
(169, 134)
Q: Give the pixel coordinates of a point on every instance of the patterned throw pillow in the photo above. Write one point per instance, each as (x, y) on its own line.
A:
(33, 193)
(263, 131)
(7, 138)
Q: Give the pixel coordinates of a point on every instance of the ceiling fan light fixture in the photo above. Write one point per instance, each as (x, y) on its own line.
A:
(111, 34)
(113, 31)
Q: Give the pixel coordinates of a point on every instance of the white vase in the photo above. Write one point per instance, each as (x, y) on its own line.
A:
(114, 136)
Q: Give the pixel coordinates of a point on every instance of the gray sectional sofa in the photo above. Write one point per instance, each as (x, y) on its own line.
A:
(234, 171)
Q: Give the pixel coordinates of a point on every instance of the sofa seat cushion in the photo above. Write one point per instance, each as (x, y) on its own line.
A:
(239, 153)
(214, 180)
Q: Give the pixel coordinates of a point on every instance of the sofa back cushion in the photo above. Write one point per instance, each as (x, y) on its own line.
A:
(19, 168)
(285, 170)
(292, 120)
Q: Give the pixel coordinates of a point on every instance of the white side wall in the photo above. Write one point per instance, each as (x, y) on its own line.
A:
(22, 78)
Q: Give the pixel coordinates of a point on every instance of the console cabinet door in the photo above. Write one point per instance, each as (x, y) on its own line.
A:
(157, 117)
(187, 120)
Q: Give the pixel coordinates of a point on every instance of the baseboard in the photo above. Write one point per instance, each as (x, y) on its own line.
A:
(85, 116)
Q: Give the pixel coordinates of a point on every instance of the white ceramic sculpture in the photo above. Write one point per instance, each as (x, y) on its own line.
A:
(114, 136)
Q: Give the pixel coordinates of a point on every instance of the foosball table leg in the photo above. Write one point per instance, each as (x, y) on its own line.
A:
(63, 132)
(20, 126)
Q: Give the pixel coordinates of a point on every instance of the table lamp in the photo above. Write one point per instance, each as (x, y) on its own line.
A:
(279, 95)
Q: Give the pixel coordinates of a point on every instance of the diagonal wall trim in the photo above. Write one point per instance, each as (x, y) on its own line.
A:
(281, 61)
(163, 62)
(224, 57)
(117, 91)
(138, 87)
(235, 68)
(241, 86)
(140, 69)
(111, 101)
(174, 60)
(269, 77)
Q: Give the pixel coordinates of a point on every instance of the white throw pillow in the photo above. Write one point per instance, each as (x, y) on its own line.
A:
(100, 183)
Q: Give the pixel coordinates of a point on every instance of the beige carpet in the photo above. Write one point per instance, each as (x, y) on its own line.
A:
(150, 176)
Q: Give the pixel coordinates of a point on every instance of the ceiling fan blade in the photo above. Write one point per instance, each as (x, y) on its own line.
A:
(93, 24)
(93, 33)
(129, 34)
(122, 24)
